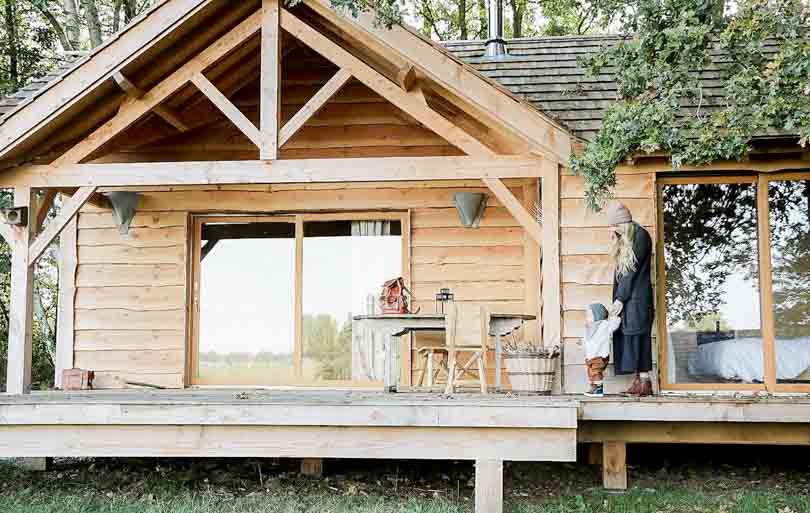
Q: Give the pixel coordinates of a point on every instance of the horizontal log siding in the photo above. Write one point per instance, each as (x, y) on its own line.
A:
(131, 299)
(586, 269)
(131, 291)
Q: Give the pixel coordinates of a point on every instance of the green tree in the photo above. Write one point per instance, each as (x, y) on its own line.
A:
(661, 105)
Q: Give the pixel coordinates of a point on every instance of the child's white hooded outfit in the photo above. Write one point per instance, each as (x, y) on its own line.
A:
(599, 337)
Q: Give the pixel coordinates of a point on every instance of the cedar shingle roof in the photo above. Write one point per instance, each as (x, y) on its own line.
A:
(543, 71)
(546, 73)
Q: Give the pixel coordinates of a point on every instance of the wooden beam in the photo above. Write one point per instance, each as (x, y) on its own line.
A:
(314, 104)
(614, 465)
(69, 211)
(484, 98)
(406, 77)
(270, 80)
(127, 86)
(274, 172)
(488, 486)
(721, 432)
(127, 46)
(43, 208)
(222, 102)
(552, 310)
(287, 442)
(410, 102)
(138, 108)
(22, 288)
(68, 265)
(515, 208)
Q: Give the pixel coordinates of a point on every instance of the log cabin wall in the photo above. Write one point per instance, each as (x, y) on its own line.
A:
(586, 268)
(130, 307)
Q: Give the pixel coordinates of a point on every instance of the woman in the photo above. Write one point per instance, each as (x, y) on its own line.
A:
(632, 299)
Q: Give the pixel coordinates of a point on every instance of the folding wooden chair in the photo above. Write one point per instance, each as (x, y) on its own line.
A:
(467, 331)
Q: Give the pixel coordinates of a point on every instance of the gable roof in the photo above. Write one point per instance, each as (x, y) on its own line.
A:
(86, 97)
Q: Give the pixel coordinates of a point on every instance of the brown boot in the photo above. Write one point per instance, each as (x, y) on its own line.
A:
(635, 388)
(645, 390)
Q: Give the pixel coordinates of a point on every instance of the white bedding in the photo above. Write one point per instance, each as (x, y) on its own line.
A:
(741, 359)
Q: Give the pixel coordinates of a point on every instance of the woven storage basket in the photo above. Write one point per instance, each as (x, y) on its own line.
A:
(531, 373)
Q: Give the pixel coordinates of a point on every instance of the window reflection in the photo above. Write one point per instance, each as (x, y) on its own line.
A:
(712, 290)
(789, 212)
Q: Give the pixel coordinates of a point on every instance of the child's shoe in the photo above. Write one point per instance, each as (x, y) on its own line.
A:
(596, 391)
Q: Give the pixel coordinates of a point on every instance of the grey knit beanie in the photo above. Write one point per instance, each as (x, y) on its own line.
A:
(599, 311)
(618, 214)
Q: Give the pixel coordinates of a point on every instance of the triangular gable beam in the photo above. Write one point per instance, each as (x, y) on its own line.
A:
(413, 103)
(488, 98)
(139, 107)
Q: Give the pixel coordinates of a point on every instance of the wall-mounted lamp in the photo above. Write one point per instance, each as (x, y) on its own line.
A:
(124, 205)
(17, 216)
(470, 206)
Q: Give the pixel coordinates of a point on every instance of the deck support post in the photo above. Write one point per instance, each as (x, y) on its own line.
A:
(312, 467)
(488, 486)
(614, 465)
(22, 297)
(595, 454)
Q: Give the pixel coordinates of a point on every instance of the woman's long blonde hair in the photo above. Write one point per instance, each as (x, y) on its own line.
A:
(622, 248)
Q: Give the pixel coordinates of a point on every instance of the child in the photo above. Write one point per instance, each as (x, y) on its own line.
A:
(598, 337)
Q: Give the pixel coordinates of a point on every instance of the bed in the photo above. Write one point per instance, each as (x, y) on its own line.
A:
(741, 359)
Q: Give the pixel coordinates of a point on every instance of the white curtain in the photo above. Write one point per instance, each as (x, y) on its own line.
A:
(371, 228)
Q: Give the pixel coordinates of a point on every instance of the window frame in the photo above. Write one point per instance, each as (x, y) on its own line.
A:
(298, 219)
(660, 280)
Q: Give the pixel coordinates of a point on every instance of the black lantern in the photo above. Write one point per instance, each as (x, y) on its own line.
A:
(443, 297)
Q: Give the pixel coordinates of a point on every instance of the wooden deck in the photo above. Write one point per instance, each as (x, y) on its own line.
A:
(313, 425)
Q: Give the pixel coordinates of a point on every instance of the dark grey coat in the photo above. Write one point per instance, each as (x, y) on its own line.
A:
(634, 289)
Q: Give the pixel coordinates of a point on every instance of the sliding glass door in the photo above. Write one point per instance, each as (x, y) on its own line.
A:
(734, 294)
(274, 297)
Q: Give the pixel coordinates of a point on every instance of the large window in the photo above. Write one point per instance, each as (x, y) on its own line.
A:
(734, 305)
(274, 298)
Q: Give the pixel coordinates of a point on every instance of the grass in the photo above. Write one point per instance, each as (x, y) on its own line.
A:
(273, 486)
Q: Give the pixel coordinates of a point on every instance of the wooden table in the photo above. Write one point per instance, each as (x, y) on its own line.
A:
(396, 325)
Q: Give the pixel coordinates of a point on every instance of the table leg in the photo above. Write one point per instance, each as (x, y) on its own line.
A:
(498, 361)
(388, 377)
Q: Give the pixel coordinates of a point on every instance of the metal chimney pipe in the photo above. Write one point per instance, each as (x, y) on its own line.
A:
(496, 46)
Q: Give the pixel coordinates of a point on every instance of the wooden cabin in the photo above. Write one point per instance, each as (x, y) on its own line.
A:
(286, 162)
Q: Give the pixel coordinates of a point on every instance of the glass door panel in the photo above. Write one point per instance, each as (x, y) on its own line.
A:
(789, 217)
(712, 298)
(345, 265)
(246, 273)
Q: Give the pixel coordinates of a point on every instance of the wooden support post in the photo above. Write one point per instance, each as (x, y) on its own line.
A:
(552, 310)
(614, 465)
(488, 486)
(35, 464)
(595, 454)
(22, 288)
(312, 467)
(270, 101)
(68, 263)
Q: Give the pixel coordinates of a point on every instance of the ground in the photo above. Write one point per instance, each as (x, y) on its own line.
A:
(664, 480)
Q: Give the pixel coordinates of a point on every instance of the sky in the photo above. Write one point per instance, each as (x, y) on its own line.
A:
(247, 285)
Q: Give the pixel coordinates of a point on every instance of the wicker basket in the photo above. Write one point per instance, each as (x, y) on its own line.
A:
(531, 373)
